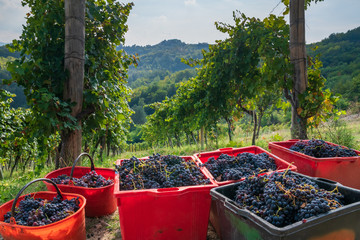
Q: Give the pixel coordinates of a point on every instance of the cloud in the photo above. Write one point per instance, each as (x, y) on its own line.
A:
(190, 2)
(160, 19)
(12, 17)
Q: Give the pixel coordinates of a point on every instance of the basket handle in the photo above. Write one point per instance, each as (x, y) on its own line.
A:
(82, 154)
(12, 219)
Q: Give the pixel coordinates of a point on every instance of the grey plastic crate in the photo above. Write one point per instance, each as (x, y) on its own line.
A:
(238, 223)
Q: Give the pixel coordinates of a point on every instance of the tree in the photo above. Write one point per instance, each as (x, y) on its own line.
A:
(40, 68)
(238, 71)
(237, 76)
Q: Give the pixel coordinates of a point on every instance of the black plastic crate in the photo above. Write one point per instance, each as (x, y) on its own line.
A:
(237, 223)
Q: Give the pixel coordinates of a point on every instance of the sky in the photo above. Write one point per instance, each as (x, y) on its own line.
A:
(192, 21)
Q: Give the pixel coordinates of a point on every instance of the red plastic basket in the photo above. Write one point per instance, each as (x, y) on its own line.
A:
(204, 156)
(341, 169)
(100, 201)
(72, 227)
(166, 213)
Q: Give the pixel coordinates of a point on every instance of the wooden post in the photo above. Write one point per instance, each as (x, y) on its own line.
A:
(1, 173)
(202, 138)
(74, 64)
(298, 59)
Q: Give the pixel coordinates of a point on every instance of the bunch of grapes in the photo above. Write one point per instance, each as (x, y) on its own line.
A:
(245, 164)
(39, 212)
(320, 149)
(89, 180)
(159, 171)
(285, 198)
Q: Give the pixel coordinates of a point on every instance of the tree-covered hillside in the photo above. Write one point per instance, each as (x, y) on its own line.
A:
(166, 55)
(152, 80)
(160, 60)
(159, 70)
(5, 56)
(340, 54)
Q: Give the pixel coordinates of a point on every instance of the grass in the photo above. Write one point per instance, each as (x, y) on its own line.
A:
(108, 227)
(9, 187)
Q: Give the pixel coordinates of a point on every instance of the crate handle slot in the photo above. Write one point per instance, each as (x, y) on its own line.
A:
(77, 159)
(12, 219)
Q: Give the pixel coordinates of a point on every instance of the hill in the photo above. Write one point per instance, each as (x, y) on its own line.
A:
(340, 54)
(5, 56)
(166, 55)
(159, 70)
(160, 67)
(160, 60)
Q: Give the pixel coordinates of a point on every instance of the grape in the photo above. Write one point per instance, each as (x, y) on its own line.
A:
(39, 212)
(227, 167)
(89, 180)
(285, 198)
(159, 171)
(320, 149)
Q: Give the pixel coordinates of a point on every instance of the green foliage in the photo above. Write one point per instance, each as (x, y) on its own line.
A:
(40, 70)
(18, 145)
(239, 74)
(317, 103)
(244, 73)
(19, 99)
(276, 138)
(340, 54)
(307, 4)
(157, 89)
(106, 93)
(338, 132)
(235, 144)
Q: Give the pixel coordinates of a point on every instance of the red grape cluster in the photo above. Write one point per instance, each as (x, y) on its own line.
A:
(245, 164)
(320, 149)
(159, 171)
(39, 212)
(285, 198)
(89, 180)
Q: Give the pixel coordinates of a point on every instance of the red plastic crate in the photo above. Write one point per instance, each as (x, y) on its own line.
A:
(100, 201)
(203, 157)
(341, 169)
(164, 213)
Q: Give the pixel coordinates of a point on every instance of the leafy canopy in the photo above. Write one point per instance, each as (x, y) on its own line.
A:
(40, 68)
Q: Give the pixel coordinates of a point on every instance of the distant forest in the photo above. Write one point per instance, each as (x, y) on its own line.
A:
(160, 69)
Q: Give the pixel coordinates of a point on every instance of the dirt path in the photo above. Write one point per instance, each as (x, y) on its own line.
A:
(108, 228)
